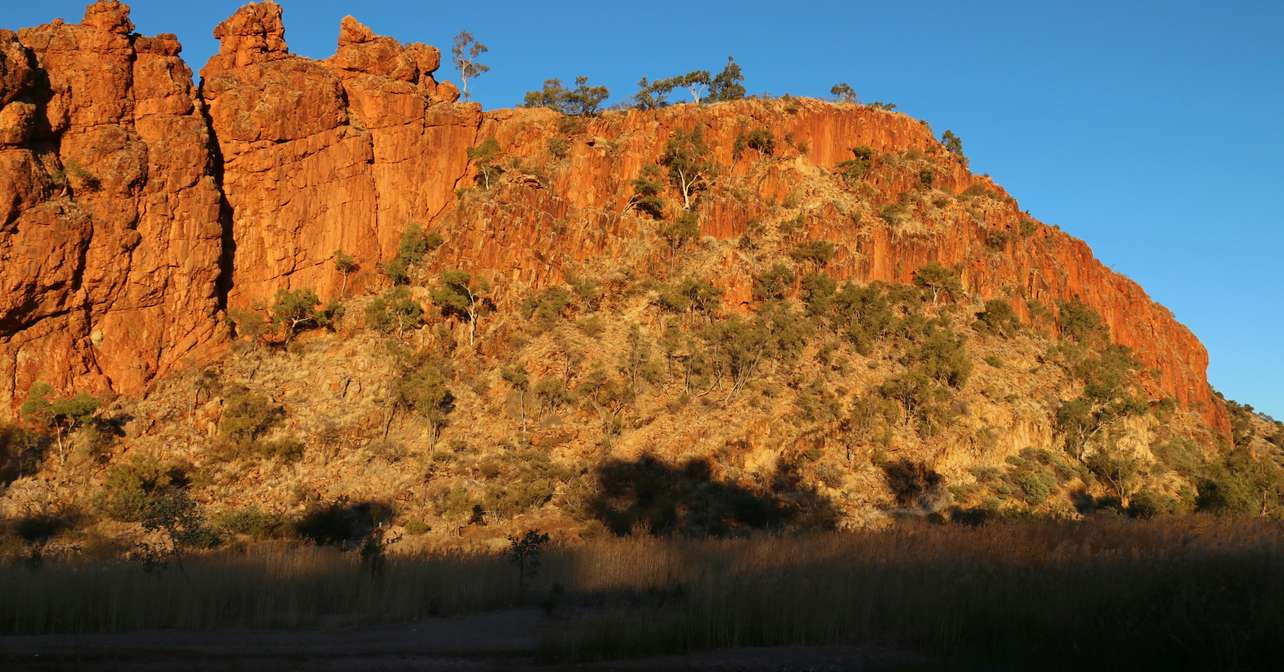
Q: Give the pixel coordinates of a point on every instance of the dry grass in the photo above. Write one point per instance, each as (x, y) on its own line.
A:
(1188, 592)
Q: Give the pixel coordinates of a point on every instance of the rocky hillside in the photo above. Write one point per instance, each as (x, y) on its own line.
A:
(837, 313)
(137, 208)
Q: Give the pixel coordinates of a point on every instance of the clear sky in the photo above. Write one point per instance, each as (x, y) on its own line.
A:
(1152, 130)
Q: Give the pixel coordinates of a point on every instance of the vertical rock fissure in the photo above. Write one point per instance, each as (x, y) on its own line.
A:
(224, 282)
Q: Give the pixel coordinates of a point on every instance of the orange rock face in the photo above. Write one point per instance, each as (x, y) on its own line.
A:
(133, 208)
(109, 212)
(323, 156)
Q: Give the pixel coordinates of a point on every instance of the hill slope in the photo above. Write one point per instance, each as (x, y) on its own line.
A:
(836, 323)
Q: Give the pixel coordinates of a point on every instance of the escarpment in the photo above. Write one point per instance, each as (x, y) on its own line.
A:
(109, 211)
(135, 207)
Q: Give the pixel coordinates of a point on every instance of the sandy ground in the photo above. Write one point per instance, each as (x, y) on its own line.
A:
(501, 640)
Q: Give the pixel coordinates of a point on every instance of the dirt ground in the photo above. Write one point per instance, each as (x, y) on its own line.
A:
(501, 640)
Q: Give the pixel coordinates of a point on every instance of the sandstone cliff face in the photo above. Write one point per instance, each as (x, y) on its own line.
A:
(109, 213)
(322, 156)
(175, 203)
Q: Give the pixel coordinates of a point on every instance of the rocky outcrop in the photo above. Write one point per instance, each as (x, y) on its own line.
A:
(133, 208)
(109, 212)
(323, 156)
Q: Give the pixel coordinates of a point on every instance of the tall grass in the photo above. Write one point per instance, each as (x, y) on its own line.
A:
(1192, 592)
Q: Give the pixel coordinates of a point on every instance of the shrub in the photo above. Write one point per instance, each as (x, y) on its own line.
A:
(953, 143)
(252, 522)
(681, 231)
(760, 140)
(558, 147)
(547, 307)
(773, 284)
(20, 452)
(394, 311)
(552, 393)
(998, 318)
(910, 481)
(246, 417)
(1148, 504)
(1080, 323)
(817, 253)
(646, 192)
(415, 244)
(863, 315)
(128, 488)
(342, 524)
(926, 177)
(943, 358)
(818, 290)
(939, 281)
(295, 311)
(855, 168)
(288, 449)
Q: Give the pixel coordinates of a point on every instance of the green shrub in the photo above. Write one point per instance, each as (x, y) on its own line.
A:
(288, 449)
(415, 244)
(816, 253)
(681, 231)
(547, 307)
(855, 168)
(558, 147)
(998, 318)
(129, 488)
(246, 417)
(760, 140)
(939, 281)
(647, 192)
(252, 522)
(773, 284)
(1148, 504)
(1080, 323)
(953, 143)
(394, 312)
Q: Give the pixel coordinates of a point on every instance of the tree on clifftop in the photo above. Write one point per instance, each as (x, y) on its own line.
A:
(844, 92)
(466, 52)
(728, 84)
(584, 100)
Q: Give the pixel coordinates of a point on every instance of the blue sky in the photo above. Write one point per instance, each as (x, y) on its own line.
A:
(1154, 131)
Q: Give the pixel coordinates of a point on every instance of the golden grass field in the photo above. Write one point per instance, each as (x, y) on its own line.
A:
(1185, 592)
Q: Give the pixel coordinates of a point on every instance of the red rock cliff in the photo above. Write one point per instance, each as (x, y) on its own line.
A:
(109, 211)
(112, 274)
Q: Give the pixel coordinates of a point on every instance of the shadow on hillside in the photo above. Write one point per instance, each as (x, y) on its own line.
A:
(342, 523)
(21, 452)
(647, 495)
